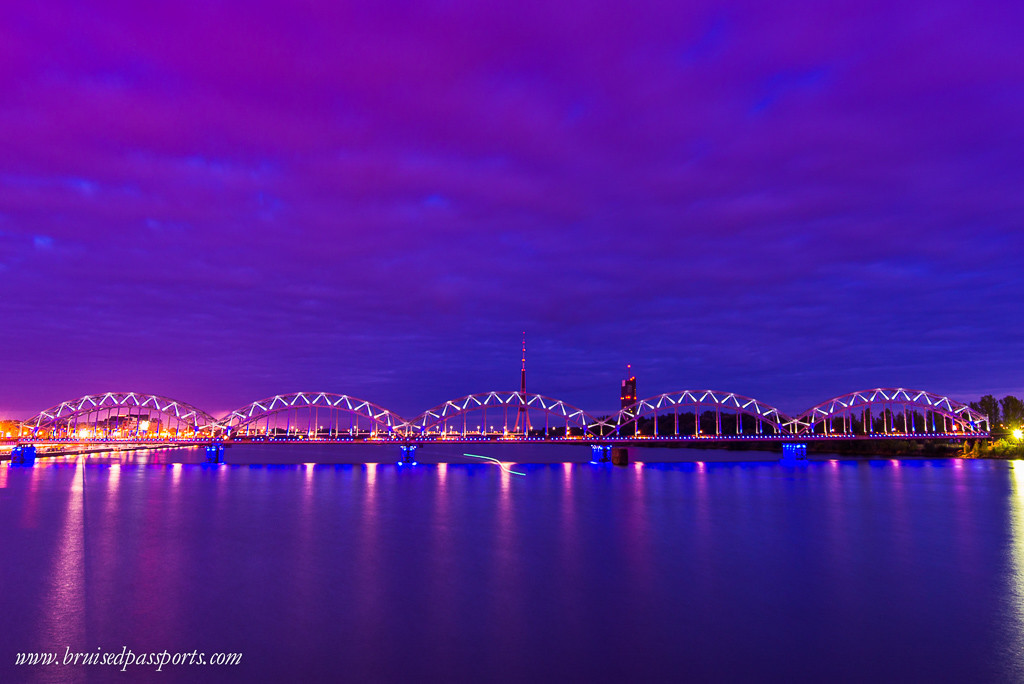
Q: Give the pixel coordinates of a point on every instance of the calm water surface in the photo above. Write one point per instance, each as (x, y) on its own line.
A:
(754, 571)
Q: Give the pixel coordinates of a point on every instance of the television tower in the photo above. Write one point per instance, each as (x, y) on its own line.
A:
(523, 417)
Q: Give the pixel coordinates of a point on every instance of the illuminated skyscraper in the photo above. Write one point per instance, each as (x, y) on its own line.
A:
(629, 388)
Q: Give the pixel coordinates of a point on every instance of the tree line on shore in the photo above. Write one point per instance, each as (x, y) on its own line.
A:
(1006, 418)
(1003, 414)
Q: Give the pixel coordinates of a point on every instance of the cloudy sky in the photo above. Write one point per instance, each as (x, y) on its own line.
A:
(220, 201)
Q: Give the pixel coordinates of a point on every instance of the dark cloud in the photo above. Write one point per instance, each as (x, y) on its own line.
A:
(220, 201)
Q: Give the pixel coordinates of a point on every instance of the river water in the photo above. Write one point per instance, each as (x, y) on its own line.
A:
(831, 570)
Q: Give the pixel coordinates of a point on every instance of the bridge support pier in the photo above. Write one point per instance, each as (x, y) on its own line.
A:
(794, 451)
(600, 453)
(215, 453)
(23, 454)
(408, 454)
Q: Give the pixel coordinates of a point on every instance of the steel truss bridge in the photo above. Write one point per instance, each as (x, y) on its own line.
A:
(685, 416)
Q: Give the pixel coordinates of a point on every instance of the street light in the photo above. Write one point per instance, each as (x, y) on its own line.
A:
(1018, 434)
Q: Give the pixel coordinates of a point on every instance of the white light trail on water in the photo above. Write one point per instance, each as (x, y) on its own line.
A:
(500, 464)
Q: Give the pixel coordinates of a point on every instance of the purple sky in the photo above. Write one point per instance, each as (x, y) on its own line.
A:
(220, 201)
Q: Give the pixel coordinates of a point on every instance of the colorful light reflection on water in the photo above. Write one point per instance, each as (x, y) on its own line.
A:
(704, 571)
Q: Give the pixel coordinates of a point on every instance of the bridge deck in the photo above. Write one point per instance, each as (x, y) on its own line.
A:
(642, 440)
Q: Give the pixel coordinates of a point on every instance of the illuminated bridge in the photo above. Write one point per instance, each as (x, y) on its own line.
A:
(685, 416)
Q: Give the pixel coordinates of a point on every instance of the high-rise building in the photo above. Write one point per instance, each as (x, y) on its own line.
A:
(629, 388)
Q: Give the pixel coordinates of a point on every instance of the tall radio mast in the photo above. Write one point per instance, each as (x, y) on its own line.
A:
(523, 417)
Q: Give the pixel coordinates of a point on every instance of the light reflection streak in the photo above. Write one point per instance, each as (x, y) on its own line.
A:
(368, 580)
(3, 475)
(306, 517)
(303, 591)
(64, 606)
(837, 490)
(445, 588)
(371, 480)
(31, 510)
(219, 472)
(1017, 546)
(704, 544)
(113, 480)
(963, 517)
(155, 558)
(902, 529)
(507, 554)
(572, 593)
(637, 529)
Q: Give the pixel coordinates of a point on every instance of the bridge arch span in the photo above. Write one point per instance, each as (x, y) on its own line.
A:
(698, 413)
(120, 414)
(892, 411)
(323, 415)
(511, 413)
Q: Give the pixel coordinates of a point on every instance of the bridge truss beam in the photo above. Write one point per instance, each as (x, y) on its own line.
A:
(502, 414)
(117, 415)
(697, 413)
(683, 415)
(886, 411)
(313, 415)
